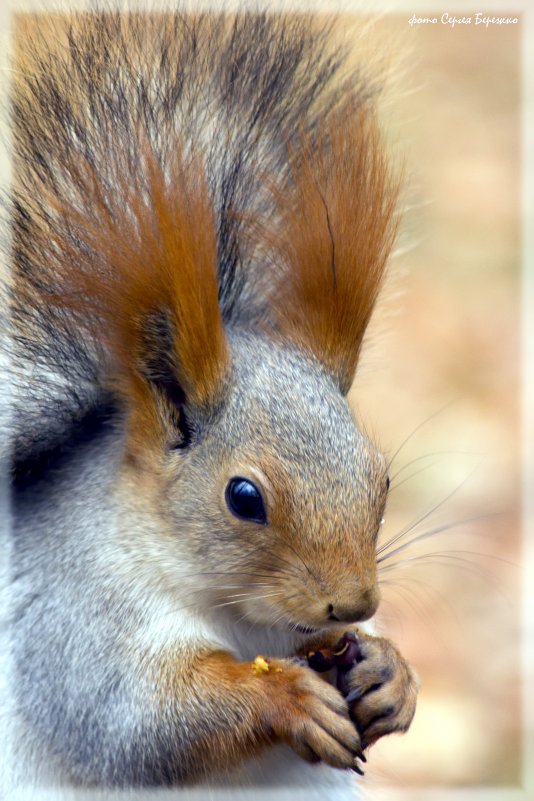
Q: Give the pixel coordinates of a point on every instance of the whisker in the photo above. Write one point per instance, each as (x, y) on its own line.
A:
(444, 559)
(248, 593)
(291, 565)
(425, 535)
(249, 598)
(431, 593)
(226, 574)
(419, 427)
(277, 619)
(393, 486)
(280, 559)
(424, 516)
(230, 586)
(312, 574)
(429, 590)
(407, 597)
(453, 554)
(428, 456)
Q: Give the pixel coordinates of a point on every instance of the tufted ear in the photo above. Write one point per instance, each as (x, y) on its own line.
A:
(336, 227)
(134, 262)
(171, 323)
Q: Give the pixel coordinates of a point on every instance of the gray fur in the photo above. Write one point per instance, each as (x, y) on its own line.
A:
(87, 589)
(103, 578)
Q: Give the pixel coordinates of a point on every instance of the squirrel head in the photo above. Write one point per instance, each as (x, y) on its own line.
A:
(239, 435)
(275, 491)
(280, 491)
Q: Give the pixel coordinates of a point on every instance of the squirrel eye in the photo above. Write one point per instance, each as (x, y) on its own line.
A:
(244, 500)
(387, 483)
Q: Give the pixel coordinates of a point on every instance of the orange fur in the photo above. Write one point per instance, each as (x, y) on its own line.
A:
(148, 248)
(336, 230)
(221, 683)
(149, 251)
(127, 241)
(283, 704)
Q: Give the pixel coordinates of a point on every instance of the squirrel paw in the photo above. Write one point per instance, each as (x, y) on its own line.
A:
(381, 690)
(313, 718)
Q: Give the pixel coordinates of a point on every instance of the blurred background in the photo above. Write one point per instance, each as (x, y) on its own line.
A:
(439, 390)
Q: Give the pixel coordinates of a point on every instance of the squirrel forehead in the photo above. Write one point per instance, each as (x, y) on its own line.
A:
(286, 404)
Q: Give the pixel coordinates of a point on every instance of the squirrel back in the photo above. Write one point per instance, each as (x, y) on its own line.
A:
(201, 214)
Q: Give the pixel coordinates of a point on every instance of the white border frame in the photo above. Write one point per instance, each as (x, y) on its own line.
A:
(524, 792)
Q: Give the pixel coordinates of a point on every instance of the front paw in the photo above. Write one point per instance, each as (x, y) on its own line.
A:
(310, 715)
(381, 690)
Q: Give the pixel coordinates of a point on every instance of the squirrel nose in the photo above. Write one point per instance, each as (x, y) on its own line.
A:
(362, 609)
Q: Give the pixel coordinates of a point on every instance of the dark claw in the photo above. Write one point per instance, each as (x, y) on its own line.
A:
(354, 695)
(321, 661)
(347, 653)
(357, 769)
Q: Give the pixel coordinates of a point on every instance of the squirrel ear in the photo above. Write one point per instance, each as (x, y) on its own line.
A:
(170, 335)
(138, 270)
(172, 326)
(157, 364)
(337, 226)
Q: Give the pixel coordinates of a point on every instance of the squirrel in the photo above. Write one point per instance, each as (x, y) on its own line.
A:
(201, 214)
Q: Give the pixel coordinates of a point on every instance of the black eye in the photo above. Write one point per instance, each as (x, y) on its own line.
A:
(387, 483)
(244, 500)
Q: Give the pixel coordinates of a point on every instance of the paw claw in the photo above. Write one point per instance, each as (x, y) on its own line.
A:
(354, 695)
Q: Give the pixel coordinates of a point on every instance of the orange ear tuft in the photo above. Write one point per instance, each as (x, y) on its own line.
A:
(336, 229)
(139, 260)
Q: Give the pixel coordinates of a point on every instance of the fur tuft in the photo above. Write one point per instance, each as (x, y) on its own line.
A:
(137, 268)
(337, 227)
